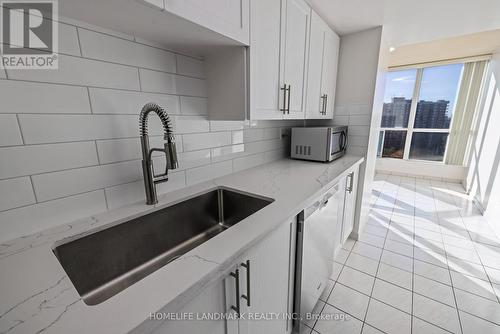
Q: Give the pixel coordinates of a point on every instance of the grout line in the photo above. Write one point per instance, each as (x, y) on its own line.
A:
(78, 39)
(103, 87)
(34, 192)
(20, 132)
(90, 102)
(97, 154)
(140, 82)
(117, 63)
(105, 198)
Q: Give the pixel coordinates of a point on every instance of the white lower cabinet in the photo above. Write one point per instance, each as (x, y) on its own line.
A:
(269, 280)
(347, 207)
(351, 189)
(259, 286)
(210, 301)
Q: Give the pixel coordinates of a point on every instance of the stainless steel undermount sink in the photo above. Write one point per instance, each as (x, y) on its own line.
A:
(108, 261)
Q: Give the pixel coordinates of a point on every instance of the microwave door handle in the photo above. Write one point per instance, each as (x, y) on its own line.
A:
(343, 141)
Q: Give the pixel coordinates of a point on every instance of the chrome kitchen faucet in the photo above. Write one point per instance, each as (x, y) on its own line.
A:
(150, 179)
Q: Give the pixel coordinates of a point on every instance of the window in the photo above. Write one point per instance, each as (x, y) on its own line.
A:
(418, 111)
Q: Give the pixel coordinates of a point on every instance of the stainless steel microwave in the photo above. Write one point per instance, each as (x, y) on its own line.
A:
(319, 143)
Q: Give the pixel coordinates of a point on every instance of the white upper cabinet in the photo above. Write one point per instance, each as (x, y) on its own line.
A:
(322, 70)
(226, 17)
(278, 58)
(329, 73)
(298, 14)
(264, 74)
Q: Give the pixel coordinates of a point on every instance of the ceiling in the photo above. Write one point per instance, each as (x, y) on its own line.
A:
(350, 16)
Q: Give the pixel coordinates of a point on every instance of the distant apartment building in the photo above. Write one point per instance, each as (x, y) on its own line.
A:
(432, 115)
(396, 113)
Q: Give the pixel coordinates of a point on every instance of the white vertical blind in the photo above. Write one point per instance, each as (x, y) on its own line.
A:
(465, 109)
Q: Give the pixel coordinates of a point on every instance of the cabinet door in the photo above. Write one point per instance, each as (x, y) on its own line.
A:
(264, 58)
(227, 17)
(315, 67)
(211, 300)
(340, 197)
(298, 14)
(269, 282)
(329, 72)
(350, 204)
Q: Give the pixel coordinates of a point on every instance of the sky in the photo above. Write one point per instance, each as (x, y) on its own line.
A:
(438, 83)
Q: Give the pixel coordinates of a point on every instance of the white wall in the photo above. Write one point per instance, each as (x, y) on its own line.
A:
(424, 169)
(483, 179)
(69, 144)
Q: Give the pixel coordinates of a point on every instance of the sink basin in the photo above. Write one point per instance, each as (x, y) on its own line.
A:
(108, 261)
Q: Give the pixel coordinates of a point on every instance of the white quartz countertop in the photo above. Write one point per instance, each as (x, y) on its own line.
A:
(36, 296)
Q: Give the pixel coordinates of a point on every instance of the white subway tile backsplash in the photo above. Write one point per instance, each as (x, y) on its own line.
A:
(74, 181)
(190, 124)
(133, 192)
(103, 47)
(186, 160)
(253, 134)
(205, 173)
(234, 151)
(248, 162)
(237, 137)
(72, 135)
(360, 120)
(29, 97)
(193, 105)
(159, 82)
(275, 155)
(15, 193)
(358, 130)
(261, 134)
(35, 159)
(9, 131)
(226, 125)
(68, 40)
(198, 141)
(191, 86)
(190, 66)
(93, 27)
(358, 141)
(62, 128)
(84, 72)
(26, 220)
(228, 152)
(110, 101)
(341, 120)
(116, 150)
(194, 159)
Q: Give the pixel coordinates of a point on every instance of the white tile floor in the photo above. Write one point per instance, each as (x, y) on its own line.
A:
(427, 262)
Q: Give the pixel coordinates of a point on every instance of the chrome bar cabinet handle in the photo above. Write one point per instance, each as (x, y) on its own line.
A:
(236, 275)
(284, 98)
(246, 265)
(288, 106)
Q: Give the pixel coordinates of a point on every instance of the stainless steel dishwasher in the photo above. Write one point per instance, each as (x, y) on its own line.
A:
(317, 239)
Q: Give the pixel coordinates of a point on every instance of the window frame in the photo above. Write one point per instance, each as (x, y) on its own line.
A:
(411, 121)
